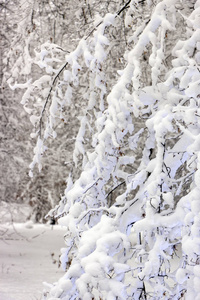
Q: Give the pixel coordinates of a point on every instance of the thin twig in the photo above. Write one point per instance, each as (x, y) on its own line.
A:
(83, 215)
(115, 189)
(123, 8)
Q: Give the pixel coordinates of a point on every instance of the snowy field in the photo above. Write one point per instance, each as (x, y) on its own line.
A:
(29, 256)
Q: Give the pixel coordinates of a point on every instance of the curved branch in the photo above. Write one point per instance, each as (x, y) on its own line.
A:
(117, 14)
(64, 66)
(115, 189)
(49, 94)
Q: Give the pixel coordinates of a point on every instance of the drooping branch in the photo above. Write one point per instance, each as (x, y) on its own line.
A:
(49, 94)
(64, 66)
(117, 14)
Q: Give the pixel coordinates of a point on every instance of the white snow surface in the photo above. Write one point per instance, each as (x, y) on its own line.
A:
(29, 256)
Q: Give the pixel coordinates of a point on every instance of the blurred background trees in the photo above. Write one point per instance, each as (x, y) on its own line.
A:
(15, 127)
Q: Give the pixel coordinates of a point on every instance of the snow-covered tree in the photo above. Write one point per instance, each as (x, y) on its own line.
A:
(131, 206)
(45, 22)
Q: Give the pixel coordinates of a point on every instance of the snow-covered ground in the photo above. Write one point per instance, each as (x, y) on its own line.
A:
(29, 256)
